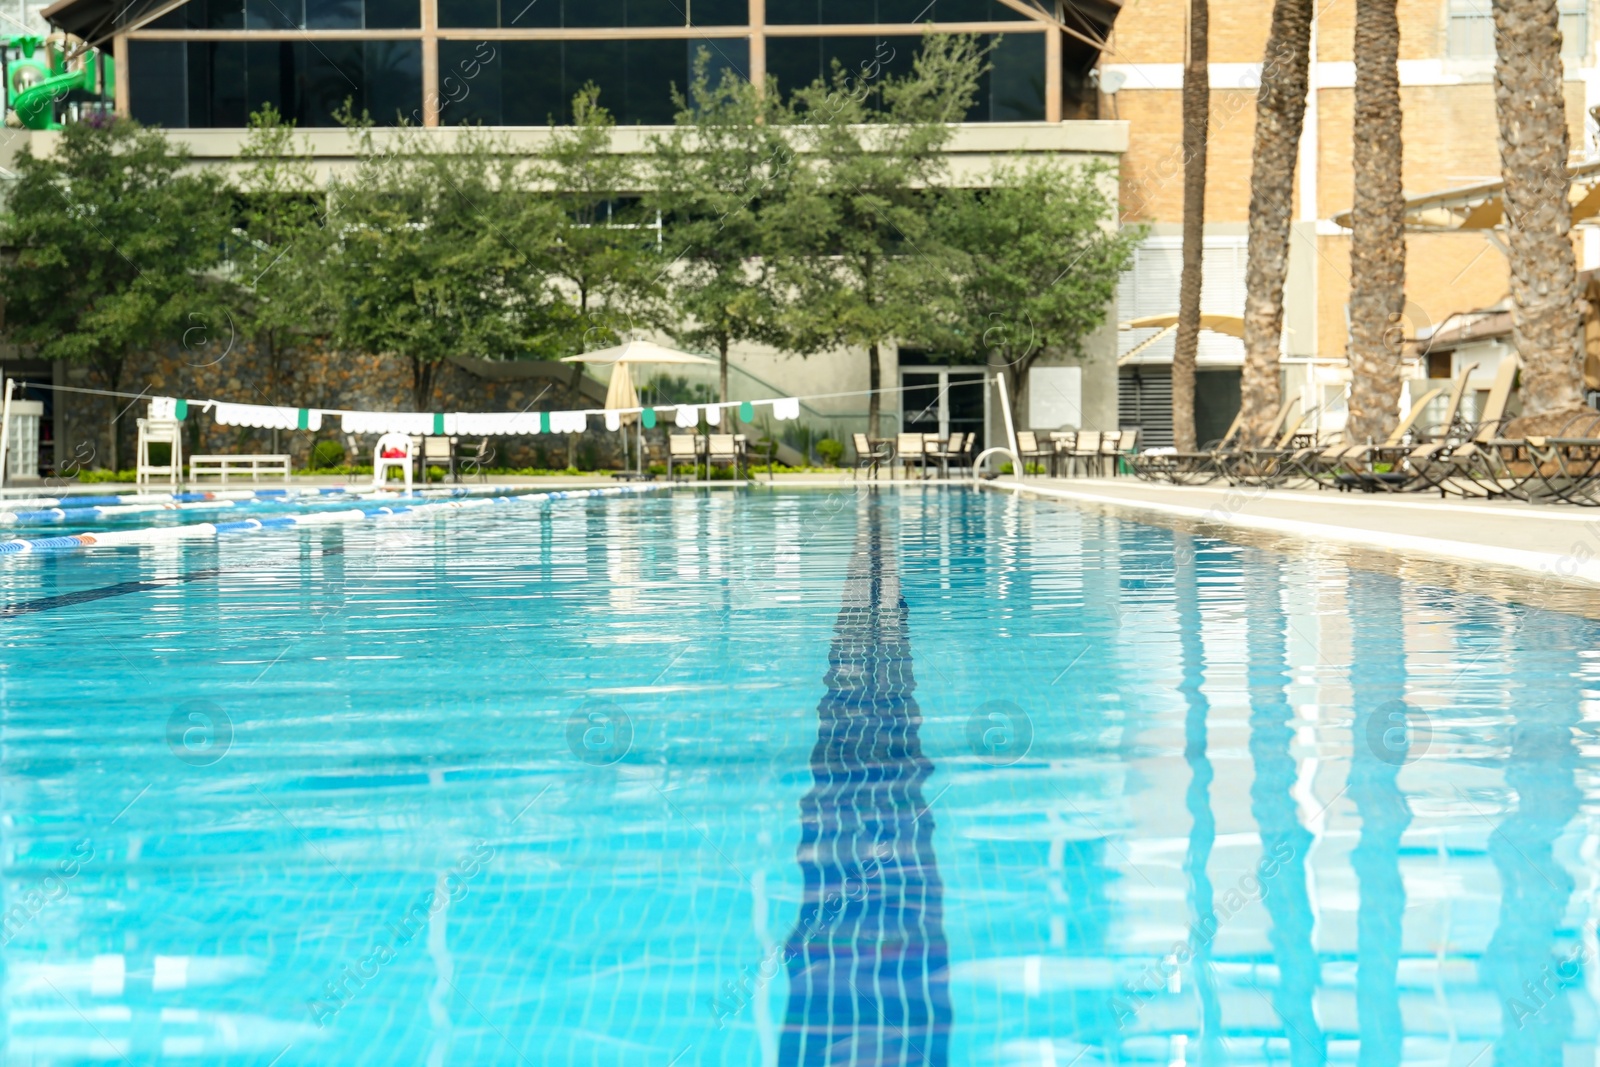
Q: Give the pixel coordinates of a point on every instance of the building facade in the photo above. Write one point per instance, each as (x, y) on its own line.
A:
(1447, 96)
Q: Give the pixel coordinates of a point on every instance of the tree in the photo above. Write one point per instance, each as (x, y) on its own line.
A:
(1378, 237)
(1196, 116)
(114, 247)
(1545, 320)
(426, 254)
(280, 259)
(708, 177)
(1280, 113)
(1037, 256)
(603, 245)
(859, 264)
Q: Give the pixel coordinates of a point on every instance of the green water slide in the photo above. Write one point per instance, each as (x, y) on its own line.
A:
(33, 85)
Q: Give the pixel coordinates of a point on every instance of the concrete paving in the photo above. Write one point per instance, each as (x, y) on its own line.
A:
(1555, 541)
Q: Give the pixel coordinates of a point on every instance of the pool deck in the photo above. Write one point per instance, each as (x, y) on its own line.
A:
(1556, 542)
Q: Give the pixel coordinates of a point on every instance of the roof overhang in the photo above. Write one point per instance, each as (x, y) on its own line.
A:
(97, 21)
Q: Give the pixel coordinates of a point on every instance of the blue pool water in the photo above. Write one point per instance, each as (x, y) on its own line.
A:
(918, 776)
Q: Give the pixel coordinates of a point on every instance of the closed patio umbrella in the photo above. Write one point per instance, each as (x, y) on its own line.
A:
(621, 393)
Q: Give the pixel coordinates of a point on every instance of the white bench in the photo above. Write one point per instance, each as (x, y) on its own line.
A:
(223, 466)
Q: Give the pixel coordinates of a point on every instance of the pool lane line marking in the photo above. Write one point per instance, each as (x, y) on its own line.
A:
(87, 1022)
(211, 531)
(1541, 563)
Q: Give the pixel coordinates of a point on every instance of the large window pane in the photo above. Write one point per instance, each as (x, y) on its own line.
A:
(653, 67)
(469, 82)
(273, 14)
(1016, 83)
(601, 62)
(394, 80)
(886, 12)
(330, 73)
(333, 14)
(720, 13)
(157, 83)
(222, 14)
(271, 77)
(469, 14)
(723, 54)
(217, 84)
(595, 13)
(394, 14)
(520, 14)
(532, 85)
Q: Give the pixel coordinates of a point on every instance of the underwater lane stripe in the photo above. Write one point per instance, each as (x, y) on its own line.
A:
(143, 585)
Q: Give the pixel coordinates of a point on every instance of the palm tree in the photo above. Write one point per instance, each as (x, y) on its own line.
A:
(1378, 244)
(1545, 320)
(1196, 114)
(1280, 112)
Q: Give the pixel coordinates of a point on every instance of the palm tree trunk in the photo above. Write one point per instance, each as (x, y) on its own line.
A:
(722, 361)
(1280, 112)
(1196, 115)
(1545, 320)
(1378, 244)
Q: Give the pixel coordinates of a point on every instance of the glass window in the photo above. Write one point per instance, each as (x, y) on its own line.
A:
(594, 13)
(1015, 82)
(157, 89)
(1471, 32)
(523, 13)
(532, 86)
(468, 14)
(273, 14)
(719, 12)
(333, 14)
(1575, 28)
(887, 12)
(393, 71)
(394, 14)
(470, 82)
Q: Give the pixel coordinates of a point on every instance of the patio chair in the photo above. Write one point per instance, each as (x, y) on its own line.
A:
(1474, 466)
(1113, 443)
(1347, 465)
(1062, 442)
(868, 458)
(438, 452)
(1032, 451)
(1188, 468)
(908, 449)
(952, 453)
(1085, 450)
(681, 448)
(723, 450)
(394, 451)
(474, 459)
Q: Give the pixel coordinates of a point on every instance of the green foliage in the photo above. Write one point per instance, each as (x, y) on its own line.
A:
(855, 256)
(600, 242)
(280, 247)
(325, 454)
(426, 253)
(114, 247)
(1035, 258)
(831, 450)
(707, 181)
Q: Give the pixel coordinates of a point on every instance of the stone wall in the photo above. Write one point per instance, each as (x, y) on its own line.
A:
(316, 377)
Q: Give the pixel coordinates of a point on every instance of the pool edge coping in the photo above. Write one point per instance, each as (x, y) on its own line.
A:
(1567, 569)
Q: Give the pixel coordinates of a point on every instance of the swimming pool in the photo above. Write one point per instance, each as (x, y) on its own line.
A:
(902, 776)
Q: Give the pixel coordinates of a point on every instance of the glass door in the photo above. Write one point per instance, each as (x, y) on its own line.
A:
(942, 400)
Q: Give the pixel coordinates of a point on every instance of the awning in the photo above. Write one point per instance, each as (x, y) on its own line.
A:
(1479, 207)
(96, 21)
